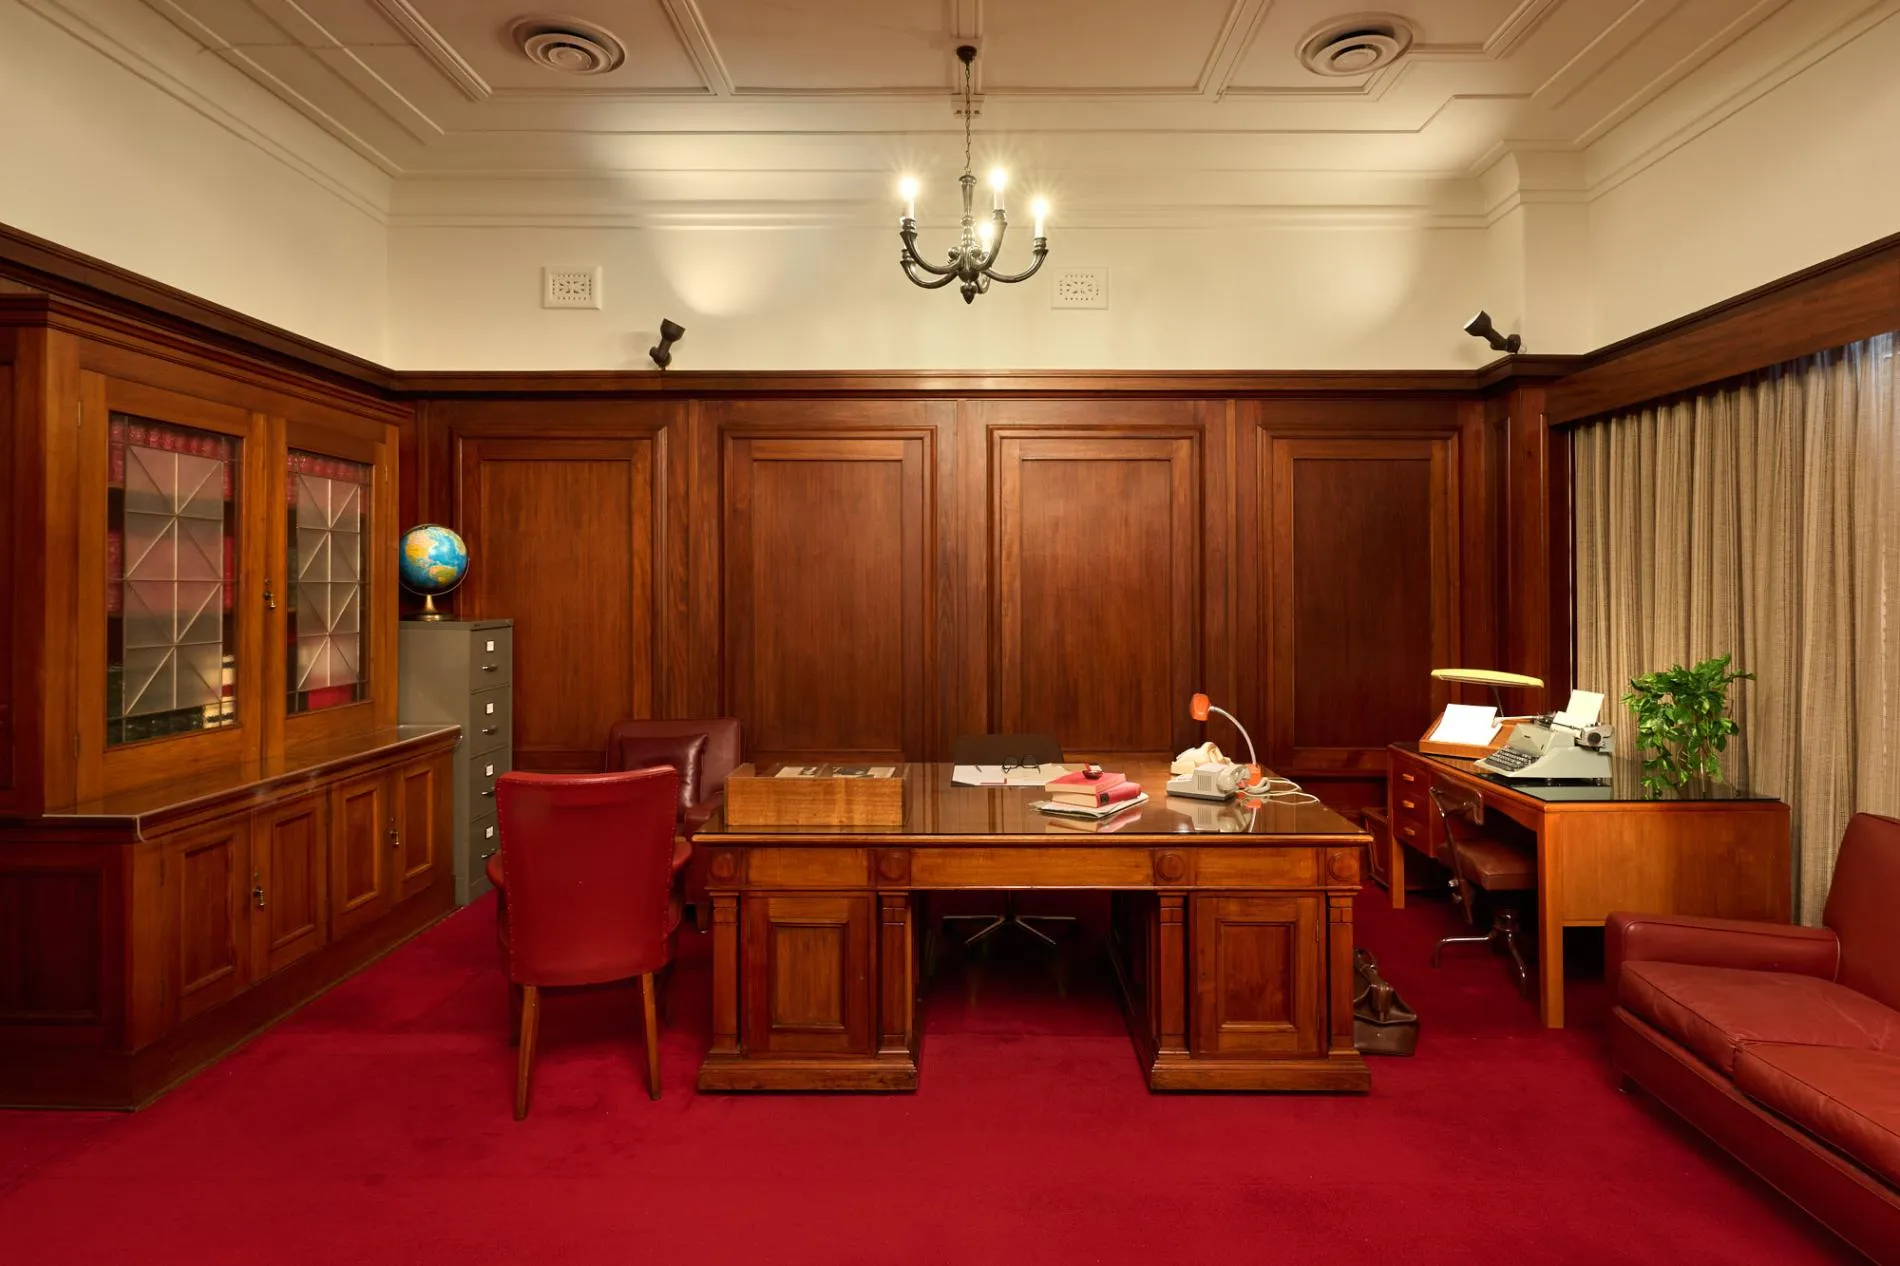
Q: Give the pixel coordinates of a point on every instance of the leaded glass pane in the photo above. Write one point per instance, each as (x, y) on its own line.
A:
(327, 528)
(171, 532)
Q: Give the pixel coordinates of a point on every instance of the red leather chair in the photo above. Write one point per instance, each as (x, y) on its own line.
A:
(704, 752)
(586, 882)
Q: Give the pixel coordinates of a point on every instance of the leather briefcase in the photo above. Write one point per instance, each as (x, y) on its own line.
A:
(1381, 1022)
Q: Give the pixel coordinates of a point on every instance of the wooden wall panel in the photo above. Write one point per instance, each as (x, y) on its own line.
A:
(1097, 583)
(828, 592)
(7, 545)
(561, 535)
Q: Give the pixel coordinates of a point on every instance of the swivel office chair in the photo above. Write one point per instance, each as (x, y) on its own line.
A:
(1478, 861)
(1011, 751)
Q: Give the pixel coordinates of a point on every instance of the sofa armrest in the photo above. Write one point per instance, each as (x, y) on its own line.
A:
(701, 810)
(1682, 938)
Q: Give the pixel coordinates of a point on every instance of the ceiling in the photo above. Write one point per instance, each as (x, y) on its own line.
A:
(762, 107)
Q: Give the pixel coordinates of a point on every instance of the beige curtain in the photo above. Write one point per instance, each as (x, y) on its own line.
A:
(1761, 519)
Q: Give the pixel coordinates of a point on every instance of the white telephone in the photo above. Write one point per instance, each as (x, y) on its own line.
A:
(1202, 773)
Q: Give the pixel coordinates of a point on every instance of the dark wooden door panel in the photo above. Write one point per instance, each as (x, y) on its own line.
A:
(827, 594)
(423, 806)
(808, 974)
(360, 855)
(290, 885)
(1361, 567)
(562, 539)
(1097, 592)
(1259, 963)
(206, 873)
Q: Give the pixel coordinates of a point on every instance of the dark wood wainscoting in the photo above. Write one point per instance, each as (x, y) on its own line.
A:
(868, 576)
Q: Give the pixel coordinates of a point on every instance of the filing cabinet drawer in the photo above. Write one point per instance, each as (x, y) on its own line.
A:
(491, 658)
(484, 839)
(483, 769)
(491, 715)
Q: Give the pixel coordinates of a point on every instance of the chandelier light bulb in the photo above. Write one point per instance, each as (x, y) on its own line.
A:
(1040, 209)
(907, 190)
(998, 178)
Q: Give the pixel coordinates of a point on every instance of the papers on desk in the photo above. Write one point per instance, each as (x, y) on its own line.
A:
(1463, 723)
(837, 771)
(1584, 708)
(995, 776)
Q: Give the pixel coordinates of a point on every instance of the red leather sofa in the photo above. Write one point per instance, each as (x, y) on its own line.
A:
(1782, 1043)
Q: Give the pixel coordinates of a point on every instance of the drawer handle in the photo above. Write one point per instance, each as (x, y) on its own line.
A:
(490, 792)
(490, 853)
(488, 729)
(1408, 831)
(489, 668)
(1409, 777)
(1410, 804)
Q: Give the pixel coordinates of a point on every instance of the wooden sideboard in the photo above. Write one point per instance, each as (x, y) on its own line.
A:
(145, 934)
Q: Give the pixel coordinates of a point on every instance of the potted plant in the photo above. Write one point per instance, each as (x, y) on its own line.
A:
(1682, 721)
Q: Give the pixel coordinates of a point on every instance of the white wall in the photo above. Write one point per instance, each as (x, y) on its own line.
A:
(97, 158)
(1294, 297)
(1806, 172)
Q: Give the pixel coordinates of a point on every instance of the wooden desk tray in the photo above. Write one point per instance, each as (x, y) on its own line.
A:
(759, 798)
(1470, 751)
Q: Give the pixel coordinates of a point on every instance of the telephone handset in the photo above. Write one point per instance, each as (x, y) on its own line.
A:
(1203, 773)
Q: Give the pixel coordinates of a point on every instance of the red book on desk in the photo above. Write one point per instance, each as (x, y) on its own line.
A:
(1095, 793)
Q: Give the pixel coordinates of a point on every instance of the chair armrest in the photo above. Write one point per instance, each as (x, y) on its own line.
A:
(695, 817)
(1682, 938)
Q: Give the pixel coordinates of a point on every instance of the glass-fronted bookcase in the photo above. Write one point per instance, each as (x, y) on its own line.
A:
(234, 568)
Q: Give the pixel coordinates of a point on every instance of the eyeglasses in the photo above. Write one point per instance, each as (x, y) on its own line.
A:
(1021, 763)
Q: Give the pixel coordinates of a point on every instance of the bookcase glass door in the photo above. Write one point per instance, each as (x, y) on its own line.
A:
(328, 525)
(171, 548)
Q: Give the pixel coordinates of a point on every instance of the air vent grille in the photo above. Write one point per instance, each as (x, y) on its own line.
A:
(570, 45)
(1356, 45)
(568, 287)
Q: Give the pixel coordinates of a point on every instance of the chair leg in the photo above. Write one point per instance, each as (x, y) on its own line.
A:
(530, 1023)
(514, 1014)
(1443, 941)
(1505, 924)
(653, 1035)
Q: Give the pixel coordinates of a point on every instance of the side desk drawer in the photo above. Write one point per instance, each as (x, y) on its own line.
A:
(491, 715)
(1410, 805)
(484, 838)
(483, 769)
(491, 658)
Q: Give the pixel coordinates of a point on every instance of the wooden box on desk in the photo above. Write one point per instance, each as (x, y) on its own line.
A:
(760, 798)
(1470, 751)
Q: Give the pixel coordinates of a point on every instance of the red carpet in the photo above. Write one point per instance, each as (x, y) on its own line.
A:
(375, 1126)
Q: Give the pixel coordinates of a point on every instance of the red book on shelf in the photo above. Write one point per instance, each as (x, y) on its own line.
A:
(1080, 782)
(1096, 796)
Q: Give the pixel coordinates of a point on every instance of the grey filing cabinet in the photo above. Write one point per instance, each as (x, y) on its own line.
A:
(462, 672)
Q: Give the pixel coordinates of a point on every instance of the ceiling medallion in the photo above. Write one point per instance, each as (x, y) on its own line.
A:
(1356, 45)
(572, 46)
(973, 259)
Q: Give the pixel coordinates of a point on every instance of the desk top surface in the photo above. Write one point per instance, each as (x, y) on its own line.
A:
(1624, 785)
(933, 807)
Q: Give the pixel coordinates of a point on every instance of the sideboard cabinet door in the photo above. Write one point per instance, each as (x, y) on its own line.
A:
(362, 832)
(290, 883)
(423, 812)
(1258, 967)
(205, 878)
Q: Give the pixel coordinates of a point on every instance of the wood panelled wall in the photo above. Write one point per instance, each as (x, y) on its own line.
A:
(868, 577)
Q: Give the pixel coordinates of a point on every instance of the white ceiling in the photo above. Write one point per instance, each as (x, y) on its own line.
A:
(773, 108)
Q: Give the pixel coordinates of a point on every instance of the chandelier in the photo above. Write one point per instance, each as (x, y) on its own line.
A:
(973, 258)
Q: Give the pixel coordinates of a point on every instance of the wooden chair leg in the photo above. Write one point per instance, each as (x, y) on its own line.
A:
(514, 1014)
(530, 1023)
(647, 998)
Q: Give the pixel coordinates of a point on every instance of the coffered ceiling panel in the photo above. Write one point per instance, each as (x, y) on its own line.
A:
(477, 31)
(839, 46)
(1107, 46)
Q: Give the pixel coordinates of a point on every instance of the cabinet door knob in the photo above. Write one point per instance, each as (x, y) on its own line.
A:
(257, 888)
(270, 599)
(395, 838)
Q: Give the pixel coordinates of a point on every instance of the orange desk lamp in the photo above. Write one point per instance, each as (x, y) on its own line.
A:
(1201, 708)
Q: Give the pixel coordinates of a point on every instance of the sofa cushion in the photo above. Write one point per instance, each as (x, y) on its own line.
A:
(1847, 1098)
(643, 751)
(1860, 907)
(1713, 1010)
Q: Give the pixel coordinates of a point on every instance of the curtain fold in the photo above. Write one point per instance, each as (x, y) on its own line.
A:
(1760, 519)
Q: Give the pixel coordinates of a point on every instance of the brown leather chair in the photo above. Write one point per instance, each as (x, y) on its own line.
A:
(1781, 1043)
(1483, 863)
(704, 752)
(587, 892)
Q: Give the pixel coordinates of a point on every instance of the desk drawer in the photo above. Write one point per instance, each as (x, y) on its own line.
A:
(491, 714)
(483, 769)
(491, 658)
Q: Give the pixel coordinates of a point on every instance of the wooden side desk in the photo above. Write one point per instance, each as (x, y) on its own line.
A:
(1606, 847)
(1232, 935)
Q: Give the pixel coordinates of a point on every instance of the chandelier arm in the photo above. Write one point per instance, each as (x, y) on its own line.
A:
(910, 256)
(1041, 253)
(942, 279)
(994, 251)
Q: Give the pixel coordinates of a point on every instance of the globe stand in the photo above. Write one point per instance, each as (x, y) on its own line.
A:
(428, 609)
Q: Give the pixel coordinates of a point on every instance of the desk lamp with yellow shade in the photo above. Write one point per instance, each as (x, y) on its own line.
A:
(1477, 677)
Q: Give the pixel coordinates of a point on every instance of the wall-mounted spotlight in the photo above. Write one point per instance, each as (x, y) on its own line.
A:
(1480, 327)
(671, 332)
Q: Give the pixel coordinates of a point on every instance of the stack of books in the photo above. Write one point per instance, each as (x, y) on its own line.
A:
(1080, 796)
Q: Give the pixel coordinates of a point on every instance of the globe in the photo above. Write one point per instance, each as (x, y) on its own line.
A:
(434, 560)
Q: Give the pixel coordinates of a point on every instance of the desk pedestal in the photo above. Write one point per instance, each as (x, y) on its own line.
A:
(1235, 960)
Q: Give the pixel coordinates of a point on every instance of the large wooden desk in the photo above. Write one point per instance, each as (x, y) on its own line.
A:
(1232, 935)
(1711, 850)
